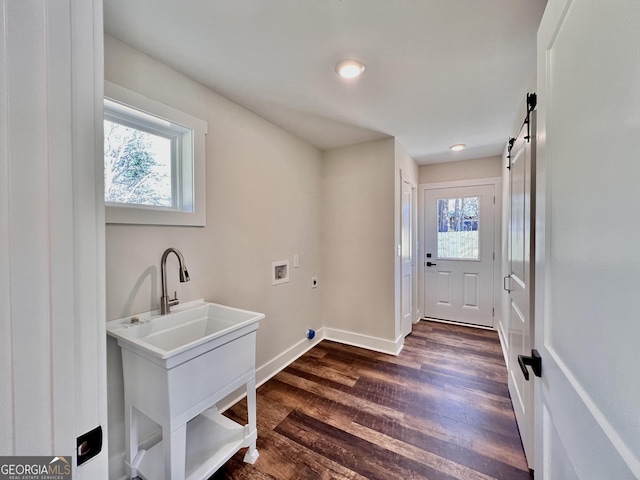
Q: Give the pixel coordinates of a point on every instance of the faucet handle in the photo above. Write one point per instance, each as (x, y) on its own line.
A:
(173, 301)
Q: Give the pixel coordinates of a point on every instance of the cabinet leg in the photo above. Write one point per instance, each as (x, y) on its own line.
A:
(131, 438)
(252, 454)
(175, 452)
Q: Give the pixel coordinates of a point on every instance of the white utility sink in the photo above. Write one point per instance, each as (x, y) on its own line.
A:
(175, 368)
(189, 330)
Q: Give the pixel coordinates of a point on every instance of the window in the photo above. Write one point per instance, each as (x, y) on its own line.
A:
(458, 228)
(153, 161)
(142, 158)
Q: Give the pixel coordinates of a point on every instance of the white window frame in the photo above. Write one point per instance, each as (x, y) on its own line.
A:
(189, 202)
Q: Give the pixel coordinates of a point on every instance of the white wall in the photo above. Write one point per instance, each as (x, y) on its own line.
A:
(358, 239)
(263, 204)
(406, 164)
(463, 170)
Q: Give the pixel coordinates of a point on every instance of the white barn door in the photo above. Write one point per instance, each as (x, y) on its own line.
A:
(520, 281)
(587, 259)
(52, 339)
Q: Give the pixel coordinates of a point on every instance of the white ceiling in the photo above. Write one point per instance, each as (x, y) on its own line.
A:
(438, 72)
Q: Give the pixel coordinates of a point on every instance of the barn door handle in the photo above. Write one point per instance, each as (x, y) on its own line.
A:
(504, 283)
(535, 361)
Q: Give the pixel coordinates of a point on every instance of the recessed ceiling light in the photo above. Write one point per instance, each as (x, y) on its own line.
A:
(457, 147)
(349, 68)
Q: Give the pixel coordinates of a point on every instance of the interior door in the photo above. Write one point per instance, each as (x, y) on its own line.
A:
(520, 281)
(407, 257)
(587, 261)
(459, 254)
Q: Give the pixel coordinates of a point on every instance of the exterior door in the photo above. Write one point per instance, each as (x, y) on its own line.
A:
(407, 257)
(459, 254)
(587, 260)
(520, 282)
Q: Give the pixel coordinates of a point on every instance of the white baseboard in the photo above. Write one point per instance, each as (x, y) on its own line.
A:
(503, 344)
(279, 363)
(273, 366)
(117, 462)
(117, 467)
(365, 341)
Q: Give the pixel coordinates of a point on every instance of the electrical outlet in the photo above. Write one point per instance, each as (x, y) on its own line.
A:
(314, 282)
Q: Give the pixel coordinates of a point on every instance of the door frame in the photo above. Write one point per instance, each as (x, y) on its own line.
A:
(412, 242)
(496, 182)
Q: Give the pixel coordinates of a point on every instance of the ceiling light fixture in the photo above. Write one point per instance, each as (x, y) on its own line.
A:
(457, 147)
(349, 68)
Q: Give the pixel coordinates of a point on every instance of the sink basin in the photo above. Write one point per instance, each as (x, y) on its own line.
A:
(189, 330)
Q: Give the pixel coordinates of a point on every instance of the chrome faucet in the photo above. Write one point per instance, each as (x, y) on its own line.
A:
(165, 302)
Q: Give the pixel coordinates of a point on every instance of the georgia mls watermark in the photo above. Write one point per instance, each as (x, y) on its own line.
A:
(35, 468)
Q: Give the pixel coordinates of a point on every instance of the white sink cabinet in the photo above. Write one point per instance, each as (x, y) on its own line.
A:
(176, 367)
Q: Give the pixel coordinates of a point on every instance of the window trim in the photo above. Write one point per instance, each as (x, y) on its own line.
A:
(192, 183)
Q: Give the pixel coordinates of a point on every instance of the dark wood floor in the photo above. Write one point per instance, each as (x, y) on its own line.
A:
(439, 410)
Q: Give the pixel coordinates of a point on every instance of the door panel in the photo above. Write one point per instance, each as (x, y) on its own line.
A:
(459, 249)
(471, 290)
(587, 327)
(444, 288)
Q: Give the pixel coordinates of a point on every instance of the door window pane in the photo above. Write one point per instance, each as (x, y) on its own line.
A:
(459, 228)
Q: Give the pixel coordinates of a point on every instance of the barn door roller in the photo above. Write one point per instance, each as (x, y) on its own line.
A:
(532, 101)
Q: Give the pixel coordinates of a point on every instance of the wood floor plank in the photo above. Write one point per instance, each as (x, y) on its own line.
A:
(325, 368)
(400, 444)
(439, 410)
(283, 459)
(500, 447)
(463, 456)
(370, 460)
